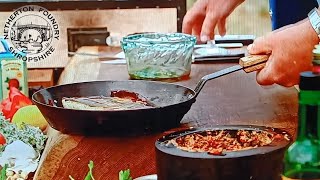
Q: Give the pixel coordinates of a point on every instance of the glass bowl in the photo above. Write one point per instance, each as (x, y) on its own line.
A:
(158, 56)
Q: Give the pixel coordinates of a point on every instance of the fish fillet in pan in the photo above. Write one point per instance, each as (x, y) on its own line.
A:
(102, 103)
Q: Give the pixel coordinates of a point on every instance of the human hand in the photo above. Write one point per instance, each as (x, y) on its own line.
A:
(205, 15)
(290, 50)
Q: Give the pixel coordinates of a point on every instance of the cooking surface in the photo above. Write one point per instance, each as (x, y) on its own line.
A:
(229, 100)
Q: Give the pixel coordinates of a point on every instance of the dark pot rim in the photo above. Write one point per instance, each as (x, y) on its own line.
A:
(171, 150)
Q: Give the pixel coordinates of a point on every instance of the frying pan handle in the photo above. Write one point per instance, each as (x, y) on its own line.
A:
(248, 64)
(253, 62)
(214, 75)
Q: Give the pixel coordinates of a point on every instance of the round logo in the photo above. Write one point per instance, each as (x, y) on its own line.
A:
(31, 31)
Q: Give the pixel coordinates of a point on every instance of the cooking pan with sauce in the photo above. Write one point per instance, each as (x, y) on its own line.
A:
(170, 103)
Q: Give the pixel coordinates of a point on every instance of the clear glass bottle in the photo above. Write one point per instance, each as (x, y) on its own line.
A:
(13, 72)
(302, 158)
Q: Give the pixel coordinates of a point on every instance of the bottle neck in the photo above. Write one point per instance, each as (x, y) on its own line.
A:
(309, 115)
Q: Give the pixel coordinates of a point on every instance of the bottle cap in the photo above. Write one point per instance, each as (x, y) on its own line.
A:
(5, 53)
(309, 81)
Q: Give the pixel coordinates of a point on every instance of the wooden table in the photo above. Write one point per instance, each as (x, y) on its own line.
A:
(232, 99)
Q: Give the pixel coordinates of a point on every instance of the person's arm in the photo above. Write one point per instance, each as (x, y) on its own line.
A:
(290, 50)
(202, 19)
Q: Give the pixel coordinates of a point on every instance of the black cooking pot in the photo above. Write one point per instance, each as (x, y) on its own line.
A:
(261, 163)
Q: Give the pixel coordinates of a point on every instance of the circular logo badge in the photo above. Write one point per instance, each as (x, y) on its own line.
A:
(31, 31)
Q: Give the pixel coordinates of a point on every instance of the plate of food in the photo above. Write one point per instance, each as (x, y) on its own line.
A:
(22, 136)
(148, 177)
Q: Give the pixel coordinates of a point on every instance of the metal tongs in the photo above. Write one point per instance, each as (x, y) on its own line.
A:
(248, 64)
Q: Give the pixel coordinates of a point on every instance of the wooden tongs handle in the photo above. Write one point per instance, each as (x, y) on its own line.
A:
(253, 62)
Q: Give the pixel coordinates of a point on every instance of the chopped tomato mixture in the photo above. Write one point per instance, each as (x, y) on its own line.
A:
(216, 142)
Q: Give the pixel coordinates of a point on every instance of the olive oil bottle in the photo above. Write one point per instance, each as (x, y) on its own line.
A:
(302, 158)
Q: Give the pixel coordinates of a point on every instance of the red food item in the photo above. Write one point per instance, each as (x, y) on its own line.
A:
(6, 104)
(2, 139)
(134, 97)
(15, 101)
(278, 136)
(14, 83)
(6, 107)
(216, 151)
(13, 91)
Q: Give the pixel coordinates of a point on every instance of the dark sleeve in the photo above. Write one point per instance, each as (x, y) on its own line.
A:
(284, 12)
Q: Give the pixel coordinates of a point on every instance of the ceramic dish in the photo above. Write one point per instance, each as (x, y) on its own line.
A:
(148, 177)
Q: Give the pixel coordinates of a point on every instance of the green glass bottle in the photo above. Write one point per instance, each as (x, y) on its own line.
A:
(302, 158)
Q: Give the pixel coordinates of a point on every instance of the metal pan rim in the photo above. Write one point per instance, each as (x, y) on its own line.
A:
(110, 111)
